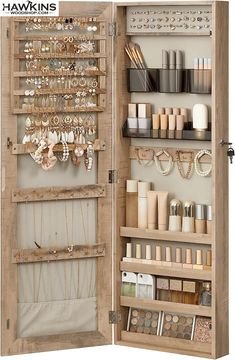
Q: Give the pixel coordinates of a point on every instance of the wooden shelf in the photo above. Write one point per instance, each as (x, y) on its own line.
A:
(21, 149)
(167, 344)
(58, 73)
(48, 91)
(165, 306)
(58, 38)
(166, 235)
(58, 193)
(65, 110)
(166, 271)
(22, 256)
(62, 56)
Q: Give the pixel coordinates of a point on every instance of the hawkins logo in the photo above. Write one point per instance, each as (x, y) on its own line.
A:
(27, 7)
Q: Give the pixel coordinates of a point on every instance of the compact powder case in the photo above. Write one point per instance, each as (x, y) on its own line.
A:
(144, 321)
(179, 326)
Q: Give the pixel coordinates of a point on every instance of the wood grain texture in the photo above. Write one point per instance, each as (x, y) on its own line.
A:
(166, 271)
(165, 306)
(24, 256)
(20, 149)
(190, 347)
(58, 193)
(121, 162)
(165, 235)
(220, 179)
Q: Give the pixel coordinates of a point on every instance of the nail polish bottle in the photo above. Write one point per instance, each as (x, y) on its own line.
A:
(188, 217)
(175, 215)
(158, 255)
(209, 219)
(199, 261)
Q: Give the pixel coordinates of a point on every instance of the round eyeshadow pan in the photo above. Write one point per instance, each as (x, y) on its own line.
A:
(189, 321)
(166, 333)
(182, 320)
(134, 321)
(140, 329)
(147, 322)
(146, 330)
(175, 319)
(153, 331)
(141, 322)
(154, 323)
(168, 317)
(148, 315)
(155, 316)
(142, 313)
(133, 329)
(174, 327)
(135, 313)
(167, 326)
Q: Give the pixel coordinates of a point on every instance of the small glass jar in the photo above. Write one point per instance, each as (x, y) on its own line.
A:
(205, 296)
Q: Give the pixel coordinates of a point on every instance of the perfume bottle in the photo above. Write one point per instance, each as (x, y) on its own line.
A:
(205, 296)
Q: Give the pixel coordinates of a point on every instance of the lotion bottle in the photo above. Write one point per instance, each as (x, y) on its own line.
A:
(143, 188)
(188, 217)
(175, 215)
(132, 203)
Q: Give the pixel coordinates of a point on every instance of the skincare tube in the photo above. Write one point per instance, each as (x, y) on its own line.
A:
(188, 217)
(178, 258)
(156, 121)
(159, 255)
(188, 259)
(132, 203)
(163, 125)
(175, 215)
(176, 111)
(171, 126)
(162, 209)
(143, 188)
(168, 111)
(161, 110)
(152, 209)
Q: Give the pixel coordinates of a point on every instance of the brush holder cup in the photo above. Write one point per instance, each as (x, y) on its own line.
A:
(198, 81)
(171, 81)
(142, 80)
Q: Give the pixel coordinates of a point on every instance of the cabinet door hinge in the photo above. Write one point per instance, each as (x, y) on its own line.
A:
(113, 176)
(8, 33)
(114, 317)
(112, 29)
(8, 324)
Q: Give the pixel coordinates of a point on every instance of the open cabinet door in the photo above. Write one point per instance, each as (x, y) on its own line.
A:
(56, 234)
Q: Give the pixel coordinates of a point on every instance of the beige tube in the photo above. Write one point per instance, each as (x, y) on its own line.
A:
(143, 188)
(128, 250)
(138, 251)
(148, 254)
(176, 111)
(152, 209)
(156, 121)
(172, 122)
(178, 255)
(163, 121)
(162, 210)
(158, 253)
(168, 111)
(179, 122)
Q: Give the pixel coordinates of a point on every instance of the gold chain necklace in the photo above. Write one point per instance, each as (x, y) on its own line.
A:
(189, 172)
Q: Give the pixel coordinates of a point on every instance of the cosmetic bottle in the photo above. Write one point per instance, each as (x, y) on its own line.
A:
(158, 255)
(184, 112)
(143, 188)
(148, 255)
(178, 258)
(132, 203)
(190, 292)
(161, 110)
(132, 121)
(175, 215)
(200, 219)
(208, 219)
(208, 260)
(128, 257)
(200, 117)
(171, 126)
(188, 259)
(176, 287)
(138, 251)
(163, 287)
(144, 116)
(179, 126)
(205, 296)
(176, 111)
(152, 209)
(163, 126)
(172, 67)
(129, 280)
(168, 111)
(188, 217)
(156, 121)
(199, 262)
(167, 261)
(162, 210)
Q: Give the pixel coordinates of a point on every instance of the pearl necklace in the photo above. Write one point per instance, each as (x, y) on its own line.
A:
(158, 163)
(198, 169)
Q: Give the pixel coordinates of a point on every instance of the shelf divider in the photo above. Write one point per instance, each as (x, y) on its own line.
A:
(165, 235)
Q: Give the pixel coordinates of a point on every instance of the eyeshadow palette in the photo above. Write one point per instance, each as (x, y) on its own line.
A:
(177, 326)
(202, 331)
(144, 321)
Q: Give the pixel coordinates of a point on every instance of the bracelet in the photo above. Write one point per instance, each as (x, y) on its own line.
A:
(198, 169)
(64, 157)
(158, 163)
